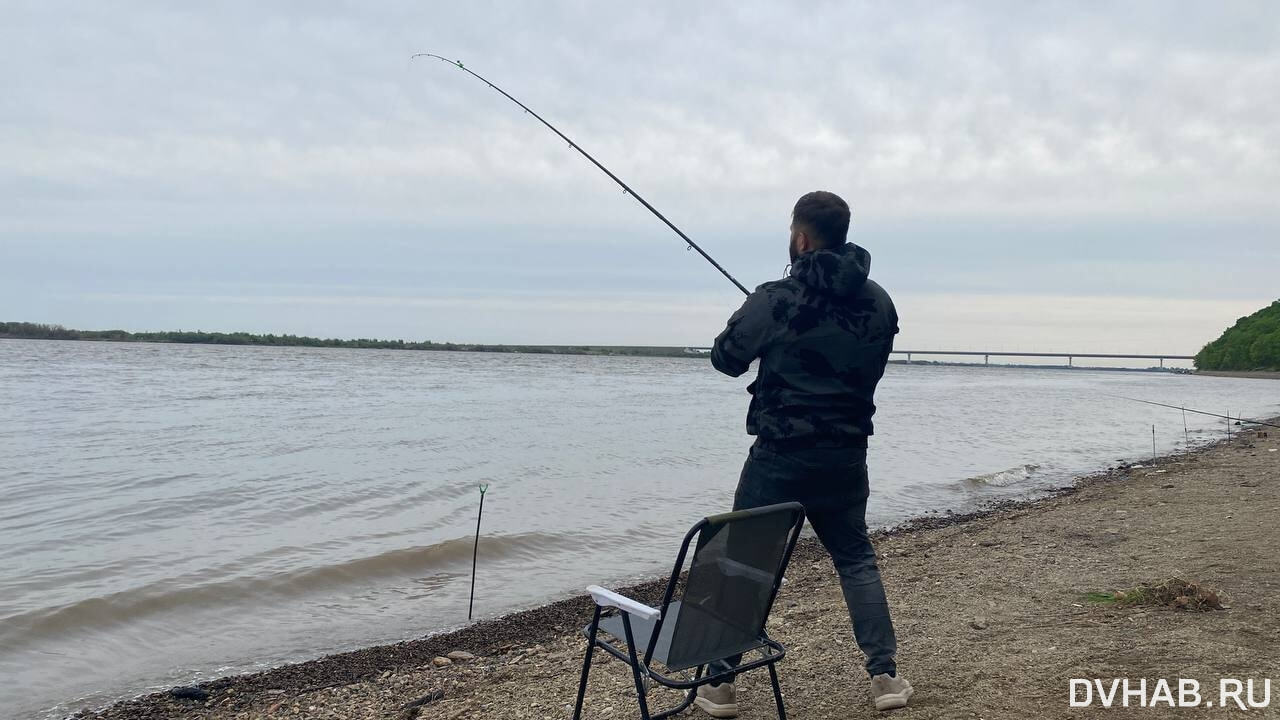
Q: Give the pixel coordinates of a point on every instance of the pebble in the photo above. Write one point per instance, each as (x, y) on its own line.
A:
(460, 655)
(441, 661)
(978, 623)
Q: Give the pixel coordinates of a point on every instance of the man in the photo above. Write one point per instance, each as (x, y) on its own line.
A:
(822, 335)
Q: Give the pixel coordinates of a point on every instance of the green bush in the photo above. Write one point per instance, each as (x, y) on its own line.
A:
(1253, 343)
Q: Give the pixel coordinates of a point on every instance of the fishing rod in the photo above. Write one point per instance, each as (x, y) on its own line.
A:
(626, 189)
(1198, 412)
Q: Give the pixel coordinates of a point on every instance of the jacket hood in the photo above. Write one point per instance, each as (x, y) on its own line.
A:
(840, 271)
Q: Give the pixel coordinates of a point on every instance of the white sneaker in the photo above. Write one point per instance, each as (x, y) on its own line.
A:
(890, 692)
(718, 701)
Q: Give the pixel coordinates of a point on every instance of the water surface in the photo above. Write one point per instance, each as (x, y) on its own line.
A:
(174, 512)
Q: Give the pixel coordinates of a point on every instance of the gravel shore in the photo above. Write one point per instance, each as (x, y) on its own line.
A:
(995, 612)
(1255, 374)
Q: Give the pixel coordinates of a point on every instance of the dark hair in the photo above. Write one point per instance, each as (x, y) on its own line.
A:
(825, 215)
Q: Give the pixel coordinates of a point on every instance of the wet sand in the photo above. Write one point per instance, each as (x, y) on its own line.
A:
(991, 611)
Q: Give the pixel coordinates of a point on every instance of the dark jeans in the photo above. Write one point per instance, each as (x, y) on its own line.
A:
(832, 485)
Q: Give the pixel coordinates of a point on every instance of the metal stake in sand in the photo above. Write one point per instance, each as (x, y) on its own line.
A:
(1186, 435)
(1153, 443)
(475, 550)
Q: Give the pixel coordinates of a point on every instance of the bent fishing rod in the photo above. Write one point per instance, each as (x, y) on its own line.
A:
(1198, 412)
(625, 188)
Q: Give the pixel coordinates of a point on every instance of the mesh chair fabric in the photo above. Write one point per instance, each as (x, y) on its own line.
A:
(730, 587)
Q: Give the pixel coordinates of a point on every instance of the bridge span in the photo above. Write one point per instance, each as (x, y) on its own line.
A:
(1070, 356)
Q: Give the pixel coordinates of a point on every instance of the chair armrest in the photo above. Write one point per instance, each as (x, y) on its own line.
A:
(609, 598)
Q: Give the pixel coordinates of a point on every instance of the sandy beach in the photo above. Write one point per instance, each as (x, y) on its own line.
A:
(994, 613)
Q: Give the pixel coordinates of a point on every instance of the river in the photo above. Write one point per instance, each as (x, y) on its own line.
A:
(171, 513)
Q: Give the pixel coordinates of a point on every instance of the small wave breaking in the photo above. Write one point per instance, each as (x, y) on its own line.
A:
(1005, 478)
(193, 593)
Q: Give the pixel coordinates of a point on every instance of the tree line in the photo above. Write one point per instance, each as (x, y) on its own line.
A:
(40, 331)
(1253, 343)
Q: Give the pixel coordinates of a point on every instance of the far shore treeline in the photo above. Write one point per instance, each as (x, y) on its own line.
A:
(1253, 343)
(39, 331)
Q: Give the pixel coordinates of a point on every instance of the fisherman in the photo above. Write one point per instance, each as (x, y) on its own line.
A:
(823, 336)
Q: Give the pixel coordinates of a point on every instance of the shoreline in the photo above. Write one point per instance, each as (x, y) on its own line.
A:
(351, 684)
(628, 351)
(1251, 374)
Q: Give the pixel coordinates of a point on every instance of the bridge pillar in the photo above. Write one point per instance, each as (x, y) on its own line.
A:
(1070, 361)
(1161, 363)
(908, 357)
(986, 359)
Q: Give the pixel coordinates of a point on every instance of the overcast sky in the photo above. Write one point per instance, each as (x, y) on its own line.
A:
(1028, 176)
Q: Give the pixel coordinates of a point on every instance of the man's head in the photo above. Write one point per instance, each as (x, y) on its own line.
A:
(820, 220)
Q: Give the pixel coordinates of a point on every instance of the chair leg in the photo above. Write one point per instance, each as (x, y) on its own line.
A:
(693, 691)
(586, 663)
(635, 667)
(684, 704)
(777, 692)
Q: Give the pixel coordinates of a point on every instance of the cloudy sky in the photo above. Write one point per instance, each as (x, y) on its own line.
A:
(1036, 176)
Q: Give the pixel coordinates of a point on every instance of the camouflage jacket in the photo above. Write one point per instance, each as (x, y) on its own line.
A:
(823, 336)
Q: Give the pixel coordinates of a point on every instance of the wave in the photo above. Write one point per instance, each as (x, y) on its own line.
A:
(187, 594)
(1005, 478)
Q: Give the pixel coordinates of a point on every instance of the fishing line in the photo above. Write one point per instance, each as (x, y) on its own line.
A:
(1198, 412)
(626, 189)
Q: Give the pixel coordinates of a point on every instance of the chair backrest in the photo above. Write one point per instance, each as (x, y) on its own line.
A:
(733, 579)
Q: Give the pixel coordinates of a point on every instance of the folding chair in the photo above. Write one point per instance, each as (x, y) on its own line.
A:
(733, 580)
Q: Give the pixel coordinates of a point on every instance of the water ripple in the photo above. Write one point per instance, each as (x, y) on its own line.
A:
(169, 512)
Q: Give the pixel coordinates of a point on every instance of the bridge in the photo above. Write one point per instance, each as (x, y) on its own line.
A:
(1070, 356)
